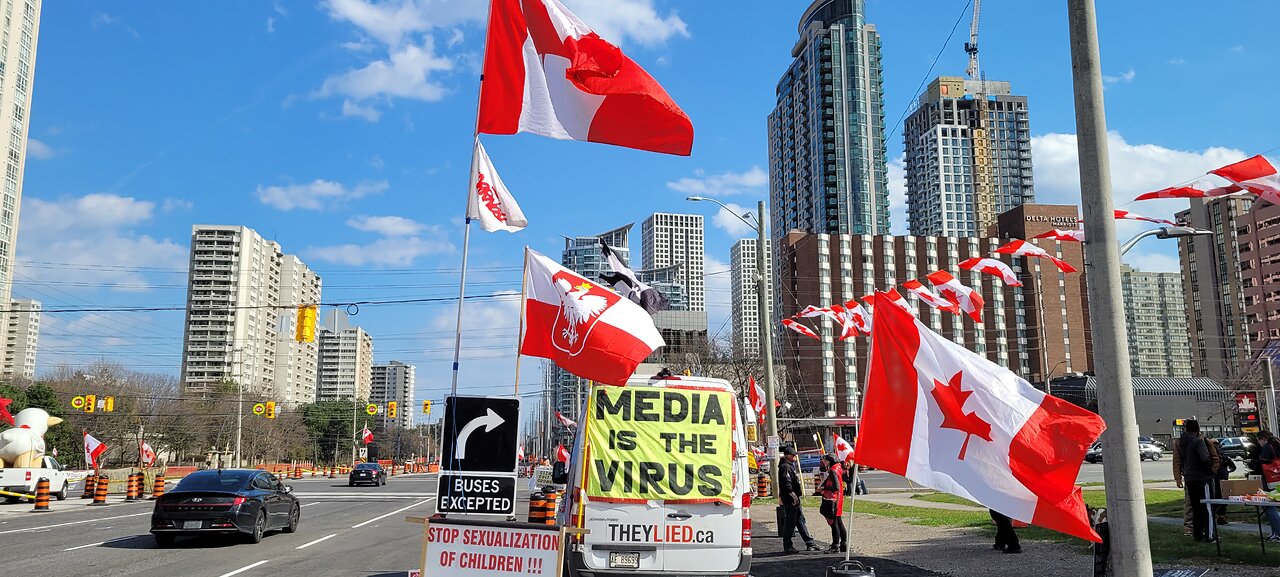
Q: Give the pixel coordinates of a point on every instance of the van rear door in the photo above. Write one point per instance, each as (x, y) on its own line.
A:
(625, 536)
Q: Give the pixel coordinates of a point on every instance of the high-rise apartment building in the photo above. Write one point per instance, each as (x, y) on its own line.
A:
(827, 170)
(668, 240)
(1230, 281)
(346, 359)
(394, 381)
(22, 334)
(296, 362)
(17, 78)
(744, 308)
(968, 156)
(1155, 314)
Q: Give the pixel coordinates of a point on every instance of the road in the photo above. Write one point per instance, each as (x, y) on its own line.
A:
(1160, 470)
(344, 531)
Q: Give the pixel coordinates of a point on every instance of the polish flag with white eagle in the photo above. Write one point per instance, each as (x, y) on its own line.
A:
(566, 422)
(949, 419)
(1018, 247)
(93, 449)
(926, 296)
(546, 72)
(993, 267)
(1256, 175)
(1126, 215)
(963, 297)
(1200, 188)
(799, 328)
(1063, 235)
(489, 201)
(583, 327)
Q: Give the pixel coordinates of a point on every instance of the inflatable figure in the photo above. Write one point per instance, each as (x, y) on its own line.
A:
(23, 445)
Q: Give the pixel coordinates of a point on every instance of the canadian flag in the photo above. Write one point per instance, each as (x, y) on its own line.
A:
(799, 328)
(546, 72)
(1023, 248)
(583, 327)
(1126, 215)
(755, 393)
(993, 267)
(963, 297)
(565, 422)
(1063, 235)
(1200, 188)
(812, 311)
(93, 449)
(894, 297)
(519, 452)
(858, 316)
(949, 419)
(927, 297)
(844, 451)
(489, 200)
(147, 454)
(366, 434)
(1256, 175)
(562, 454)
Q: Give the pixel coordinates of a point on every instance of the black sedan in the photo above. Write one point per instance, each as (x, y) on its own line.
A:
(371, 473)
(245, 501)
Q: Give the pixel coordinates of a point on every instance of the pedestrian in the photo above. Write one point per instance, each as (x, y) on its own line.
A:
(1006, 538)
(832, 509)
(853, 483)
(1268, 451)
(1225, 469)
(790, 489)
(1195, 476)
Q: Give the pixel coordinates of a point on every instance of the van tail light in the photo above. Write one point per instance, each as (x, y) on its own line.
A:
(238, 501)
(746, 520)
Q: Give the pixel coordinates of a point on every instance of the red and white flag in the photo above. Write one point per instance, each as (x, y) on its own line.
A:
(949, 419)
(1126, 215)
(755, 394)
(811, 312)
(566, 422)
(844, 451)
(489, 201)
(993, 267)
(799, 328)
(93, 449)
(1200, 188)
(1074, 235)
(1256, 175)
(520, 452)
(1018, 247)
(927, 297)
(583, 327)
(964, 298)
(366, 434)
(562, 454)
(894, 297)
(546, 72)
(146, 454)
(858, 316)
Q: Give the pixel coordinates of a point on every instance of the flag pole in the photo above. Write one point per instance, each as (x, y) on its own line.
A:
(524, 288)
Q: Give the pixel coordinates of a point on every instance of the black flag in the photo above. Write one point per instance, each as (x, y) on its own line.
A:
(624, 281)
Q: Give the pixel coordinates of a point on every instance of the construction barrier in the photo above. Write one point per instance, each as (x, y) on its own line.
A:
(553, 502)
(131, 490)
(537, 509)
(100, 492)
(90, 483)
(762, 485)
(157, 488)
(331, 473)
(42, 494)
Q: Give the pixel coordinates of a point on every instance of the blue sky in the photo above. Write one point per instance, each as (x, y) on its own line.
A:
(341, 128)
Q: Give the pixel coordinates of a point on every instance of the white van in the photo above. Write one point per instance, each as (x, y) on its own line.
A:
(654, 538)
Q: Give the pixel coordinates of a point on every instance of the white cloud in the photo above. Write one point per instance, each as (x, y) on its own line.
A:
(1238, 48)
(455, 38)
(1176, 61)
(368, 113)
(897, 172)
(103, 19)
(731, 224)
(404, 74)
(172, 205)
(619, 21)
(726, 183)
(317, 195)
(1153, 262)
(386, 225)
(39, 150)
(719, 291)
(1122, 77)
(271, 24)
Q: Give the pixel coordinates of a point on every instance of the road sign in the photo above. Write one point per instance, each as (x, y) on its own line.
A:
(476, 494)
(259, 408)
(371, 408)
(364, 452)
(480, 435)
(475, 548)
(77, 402)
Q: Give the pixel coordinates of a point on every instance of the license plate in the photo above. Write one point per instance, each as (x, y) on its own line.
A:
(624, 560)
(192, 524)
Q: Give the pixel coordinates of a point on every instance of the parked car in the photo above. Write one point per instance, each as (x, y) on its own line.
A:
(1149, 451)
(245, 501)
(1152, 441)
(23, 480)
(1094, 454)
(1236, 447)
(371, 473)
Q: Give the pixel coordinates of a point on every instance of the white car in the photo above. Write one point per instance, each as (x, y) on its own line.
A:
(1149, 451)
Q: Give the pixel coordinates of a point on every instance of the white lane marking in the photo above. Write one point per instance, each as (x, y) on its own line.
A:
(390, 514)
(243, 569)
(48, 527)
(310, 504)
(304, 546)
(84, 546)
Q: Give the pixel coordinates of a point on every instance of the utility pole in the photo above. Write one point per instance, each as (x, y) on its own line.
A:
(766, 342)
(1270, 394)
(1126, 506)
(239, 406)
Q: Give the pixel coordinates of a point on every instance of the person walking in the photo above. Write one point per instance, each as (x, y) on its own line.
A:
(790, 490)
(1268, 452)
(1006, 538)
(832, 509)
(1195, 476)
(1225, 468)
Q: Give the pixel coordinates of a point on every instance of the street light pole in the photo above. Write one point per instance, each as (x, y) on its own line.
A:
(1130, 543)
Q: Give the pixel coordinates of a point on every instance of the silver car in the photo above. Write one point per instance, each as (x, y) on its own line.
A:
(1149, 451)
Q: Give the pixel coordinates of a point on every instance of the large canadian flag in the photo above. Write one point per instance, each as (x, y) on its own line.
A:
(93, 449)
(1256, 175)
(949, 419)
(584, 328)
(489, 201)
(546, 72)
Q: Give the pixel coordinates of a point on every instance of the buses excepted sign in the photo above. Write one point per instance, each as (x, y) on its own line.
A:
(466, 548)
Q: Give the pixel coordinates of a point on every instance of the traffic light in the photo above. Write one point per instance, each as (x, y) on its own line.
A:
(426, 407)
(391, 409)
(270, 410)
(306, 331)
(109, 404)
(90, 403)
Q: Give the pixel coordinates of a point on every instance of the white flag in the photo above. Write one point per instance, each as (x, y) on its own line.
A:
(489, 201)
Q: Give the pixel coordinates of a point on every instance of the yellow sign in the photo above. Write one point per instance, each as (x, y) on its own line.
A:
(77, 402)
(259, 409)
(1250, 429)
(89, 403)
(371, 408)
(751, 461)
(663, 444)
(109, 404)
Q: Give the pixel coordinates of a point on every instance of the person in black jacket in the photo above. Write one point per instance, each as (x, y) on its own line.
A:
(1268, 451)
(790, 490)
(1224, 472)
(1197, 474)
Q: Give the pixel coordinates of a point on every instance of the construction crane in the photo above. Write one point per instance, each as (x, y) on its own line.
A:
(971, 47)
(983, 195)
